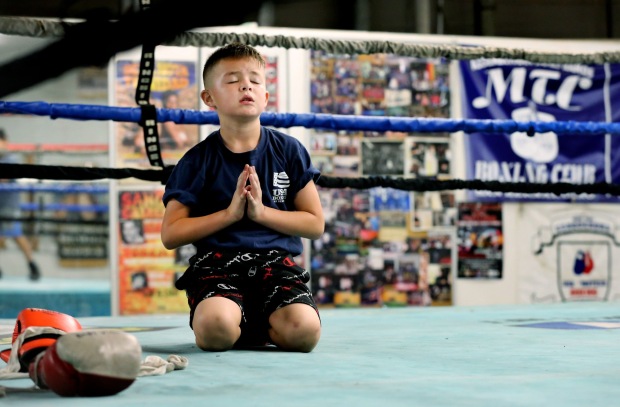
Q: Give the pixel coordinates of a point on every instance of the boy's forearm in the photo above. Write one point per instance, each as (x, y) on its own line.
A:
(189, 230)
(294, 223)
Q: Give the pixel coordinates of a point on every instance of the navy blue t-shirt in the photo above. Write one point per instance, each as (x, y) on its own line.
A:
(205, 179)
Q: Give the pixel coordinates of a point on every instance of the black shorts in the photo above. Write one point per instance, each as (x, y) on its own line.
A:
(259, 283)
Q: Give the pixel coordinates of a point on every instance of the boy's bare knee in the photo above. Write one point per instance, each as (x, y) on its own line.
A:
(297, 337)
(216, 335)
(216, 331)
(215, 343)
(297, 329)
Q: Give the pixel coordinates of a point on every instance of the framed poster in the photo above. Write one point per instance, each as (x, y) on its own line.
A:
(175, 85)
(480, 240)
(147, 270)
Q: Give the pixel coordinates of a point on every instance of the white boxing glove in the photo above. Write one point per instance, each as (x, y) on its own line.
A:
(96, 362)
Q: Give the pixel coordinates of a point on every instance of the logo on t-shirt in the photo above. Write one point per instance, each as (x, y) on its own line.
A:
(281, 182)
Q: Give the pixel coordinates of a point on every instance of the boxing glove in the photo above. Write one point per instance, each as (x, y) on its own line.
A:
(88, 363)
(34, 343)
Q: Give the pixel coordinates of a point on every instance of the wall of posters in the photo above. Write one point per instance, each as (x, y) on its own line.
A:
(383, 246)
(371, 255)
(147, 270)
(379, 85)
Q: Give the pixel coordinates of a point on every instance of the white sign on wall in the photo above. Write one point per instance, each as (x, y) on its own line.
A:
(571, 255)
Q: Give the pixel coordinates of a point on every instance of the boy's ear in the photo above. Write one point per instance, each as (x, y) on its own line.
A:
(206, 98)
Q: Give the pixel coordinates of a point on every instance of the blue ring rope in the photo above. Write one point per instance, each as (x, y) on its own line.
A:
(71, 189)
(26, 206)
(311, 120)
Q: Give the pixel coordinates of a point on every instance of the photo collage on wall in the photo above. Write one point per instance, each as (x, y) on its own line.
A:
(380, 85)
(382, 246)
(371, 255)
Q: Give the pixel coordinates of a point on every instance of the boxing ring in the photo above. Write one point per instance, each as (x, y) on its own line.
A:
(482, 356)
(563, 354)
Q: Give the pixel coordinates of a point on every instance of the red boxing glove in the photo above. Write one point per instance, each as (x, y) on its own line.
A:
(35, 344)
(90, 363)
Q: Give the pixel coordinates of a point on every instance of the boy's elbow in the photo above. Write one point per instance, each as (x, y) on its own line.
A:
(318, 232)
(315, 237)
(167, 242)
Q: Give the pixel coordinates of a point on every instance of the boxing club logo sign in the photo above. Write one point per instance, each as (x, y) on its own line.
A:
(583, 245)
(525, 92)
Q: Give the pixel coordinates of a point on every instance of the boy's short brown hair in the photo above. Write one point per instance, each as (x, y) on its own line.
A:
(234, 50)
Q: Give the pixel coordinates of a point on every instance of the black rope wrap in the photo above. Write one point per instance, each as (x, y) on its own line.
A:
(148, 120)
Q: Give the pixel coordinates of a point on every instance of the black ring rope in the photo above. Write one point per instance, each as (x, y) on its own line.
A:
(33, 27)
(59, 172)
(88, 174)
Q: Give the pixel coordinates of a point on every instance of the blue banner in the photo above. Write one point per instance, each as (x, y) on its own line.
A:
(522, 91)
